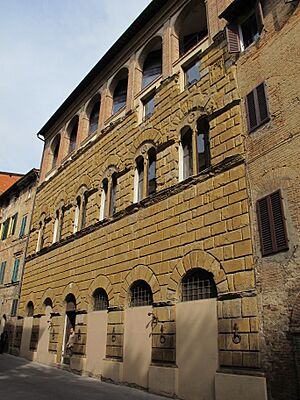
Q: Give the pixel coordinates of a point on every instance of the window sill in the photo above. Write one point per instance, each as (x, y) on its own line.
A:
(113, 117)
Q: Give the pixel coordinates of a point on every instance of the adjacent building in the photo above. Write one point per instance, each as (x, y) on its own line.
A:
(166, 221)
(7, 179)
(16, 205)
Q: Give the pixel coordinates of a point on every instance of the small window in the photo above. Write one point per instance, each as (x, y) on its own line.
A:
(55, 151)
(15, 273)
(257, 107)
(100, 300)
(73, 135)
(120, 95)
(192, 74)
(140, 178)
(246, 29)
(23, 226)
(151, 172)
(141, 294)
(187, 153)
(113, 196)
(2, 271)
(203, 147)
(5, 229)
(94, 118)
(14, 308)
(152, 67)
(271, 222)
(148, 104)
(30, 309)
(198, 284)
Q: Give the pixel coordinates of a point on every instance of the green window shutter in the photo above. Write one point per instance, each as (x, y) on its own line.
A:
(23, 226)
(2, 271)
(14, 223)
(14, 277)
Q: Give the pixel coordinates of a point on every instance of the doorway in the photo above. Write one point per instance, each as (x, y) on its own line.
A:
(70, 322)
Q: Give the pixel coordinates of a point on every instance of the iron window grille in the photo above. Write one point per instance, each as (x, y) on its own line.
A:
(141, 294)
(198, 285)
(100, 300)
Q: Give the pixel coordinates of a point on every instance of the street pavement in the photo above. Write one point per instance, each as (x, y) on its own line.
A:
(24, 380)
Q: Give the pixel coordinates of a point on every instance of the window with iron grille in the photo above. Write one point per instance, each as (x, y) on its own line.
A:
(141, 294)
(100, 300)
(271, 222)
(257, 107)
(198, 284)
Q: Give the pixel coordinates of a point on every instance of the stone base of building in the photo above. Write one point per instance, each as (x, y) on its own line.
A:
(112, 370)
(163, 380)
(240, 387)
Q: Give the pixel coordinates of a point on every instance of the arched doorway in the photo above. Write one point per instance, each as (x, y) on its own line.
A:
(70, 322)
(295, 330)
(197, 335)
(45, 333)
(2, 323)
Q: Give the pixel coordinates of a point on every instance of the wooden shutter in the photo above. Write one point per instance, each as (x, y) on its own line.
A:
(257, 107)
(233, 39)
(262, 103)
(271, 221)
(2, 271)
(16, 270)
(280, 236)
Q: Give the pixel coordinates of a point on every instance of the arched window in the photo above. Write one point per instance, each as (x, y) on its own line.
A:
(100, 299)
(58, 224)
(151, 182)
(113, 195)
(139, 184)
(191, 25)
(94, 118)
(73, 130)
(120, 92)
(203, 148)
(141, 294)
(198, 284)
(41, 233)
(70, 303)
(30, 309)
(83, 210)
(187, 152)
(152, 68)
(55, 150)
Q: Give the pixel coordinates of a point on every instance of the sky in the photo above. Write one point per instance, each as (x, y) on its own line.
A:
(46, 48)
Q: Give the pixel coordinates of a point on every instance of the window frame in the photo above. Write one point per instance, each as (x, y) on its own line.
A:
(23, 226)
(256, 100)
(14, 276)
(269, 224)
(2, 272)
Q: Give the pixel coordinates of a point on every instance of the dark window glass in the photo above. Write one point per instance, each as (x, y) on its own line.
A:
(14, 223)
(120, 95)
(151, 172)
(100, 300)
(94, 118)
(113, 199)
(140, 170)
(152, 67)
(250, 30)
(192, 74)
(104, 193)
(55, 153)
(271, 221)
(148, 106)
(83, 212)
(30, 309)
(73, 137)
(5, 229)
(187, 150)
(203, 147)
(141, 294)
(189, 41)
(198, 284)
